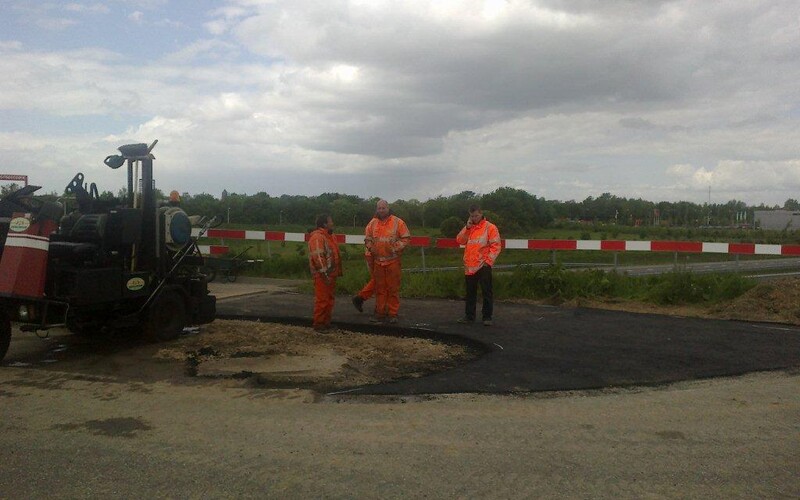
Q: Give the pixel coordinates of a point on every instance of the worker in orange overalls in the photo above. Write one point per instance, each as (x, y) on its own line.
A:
(326, 265)
(386, 236)
(482, 247)
(369, 289)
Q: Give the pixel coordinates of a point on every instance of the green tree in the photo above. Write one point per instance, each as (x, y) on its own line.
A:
(6, 189)
(451, 226)
(520, 210)
(344, 212)
(436, 211)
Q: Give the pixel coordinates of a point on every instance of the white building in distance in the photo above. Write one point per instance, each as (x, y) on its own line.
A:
(777, 219)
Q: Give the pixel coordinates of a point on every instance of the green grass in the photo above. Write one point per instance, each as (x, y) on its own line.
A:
(557, 283)
(664, 289)
(550, 283)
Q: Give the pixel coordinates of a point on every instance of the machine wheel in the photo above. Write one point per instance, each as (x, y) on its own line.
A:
(5, 334)
(209, 272)
(166, 317)
(231, 276)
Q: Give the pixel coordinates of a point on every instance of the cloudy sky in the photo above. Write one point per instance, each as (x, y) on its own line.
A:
(409, 99)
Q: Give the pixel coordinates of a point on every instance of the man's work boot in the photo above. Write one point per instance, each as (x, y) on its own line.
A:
(392, 319)
(465, 320)
(487, 322)
(358, 302)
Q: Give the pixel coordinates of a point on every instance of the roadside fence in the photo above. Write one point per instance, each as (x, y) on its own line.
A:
(611, 246)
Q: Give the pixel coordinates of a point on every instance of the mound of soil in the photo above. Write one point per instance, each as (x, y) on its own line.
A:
(774, 301)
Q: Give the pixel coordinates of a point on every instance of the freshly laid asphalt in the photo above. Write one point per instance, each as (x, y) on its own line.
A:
(538, 348)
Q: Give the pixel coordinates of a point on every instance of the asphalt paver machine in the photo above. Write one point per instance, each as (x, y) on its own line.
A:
(129, 265)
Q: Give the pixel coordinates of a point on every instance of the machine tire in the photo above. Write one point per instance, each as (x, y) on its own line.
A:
(209, 272)
(5, 334)
(166, 316)
(231, 276)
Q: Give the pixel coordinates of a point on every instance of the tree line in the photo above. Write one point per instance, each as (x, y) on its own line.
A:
(516, 212)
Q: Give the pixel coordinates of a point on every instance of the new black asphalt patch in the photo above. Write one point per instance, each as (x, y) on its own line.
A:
(539, 348)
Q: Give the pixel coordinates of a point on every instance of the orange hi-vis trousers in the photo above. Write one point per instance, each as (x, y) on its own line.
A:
(369, 289)
(323, 300)
(387, 288)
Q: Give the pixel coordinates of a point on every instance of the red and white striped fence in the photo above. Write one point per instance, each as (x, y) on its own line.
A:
(213, 249)
(601, 245)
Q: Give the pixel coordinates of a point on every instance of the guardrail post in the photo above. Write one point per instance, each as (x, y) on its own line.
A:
(616, 260)
(269, 251)
(553, 255)
(675, 264)
(424, 269)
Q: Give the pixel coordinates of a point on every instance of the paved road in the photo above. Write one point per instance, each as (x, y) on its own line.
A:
(755, 268)
(536, 348)
(762, 269)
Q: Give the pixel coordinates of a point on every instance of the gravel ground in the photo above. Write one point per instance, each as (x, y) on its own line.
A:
(241, 410)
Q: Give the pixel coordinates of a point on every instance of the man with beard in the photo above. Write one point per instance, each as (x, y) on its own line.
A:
(386, 236)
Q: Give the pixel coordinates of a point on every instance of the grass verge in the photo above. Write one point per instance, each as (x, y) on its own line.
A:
(556, 283)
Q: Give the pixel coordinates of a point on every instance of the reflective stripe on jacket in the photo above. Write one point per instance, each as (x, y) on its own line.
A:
(482, 246)
(386, 239)
(323, 254)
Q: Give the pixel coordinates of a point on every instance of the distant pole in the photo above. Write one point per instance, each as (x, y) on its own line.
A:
(354, 220)
(229, 215)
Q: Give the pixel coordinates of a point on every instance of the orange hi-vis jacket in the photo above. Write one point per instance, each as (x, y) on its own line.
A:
(323, 254)
(482, 246)
(386, 239)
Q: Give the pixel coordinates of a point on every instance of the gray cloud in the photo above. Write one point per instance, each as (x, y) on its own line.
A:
(654, 56)
(564, 98)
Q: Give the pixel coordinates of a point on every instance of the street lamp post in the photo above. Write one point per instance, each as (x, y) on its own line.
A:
(229, 215)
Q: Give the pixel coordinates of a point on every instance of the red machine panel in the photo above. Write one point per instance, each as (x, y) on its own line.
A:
(23, 267)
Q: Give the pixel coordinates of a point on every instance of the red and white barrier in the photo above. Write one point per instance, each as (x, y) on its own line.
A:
(213, 249)
(600, 245)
